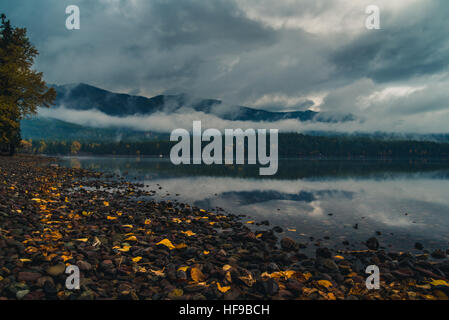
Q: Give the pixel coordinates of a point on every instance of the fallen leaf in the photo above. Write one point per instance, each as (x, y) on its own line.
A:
(159, 273)
(197, 275)
(325, 283)
(222, 289)
(136, 259)
(439, 283)
(188, 233)
(226, 267)
(166, 243)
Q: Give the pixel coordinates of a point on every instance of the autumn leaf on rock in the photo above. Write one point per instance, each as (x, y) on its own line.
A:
(197, 275)
(325, 283)
(166, 243)
(222, 289)
(188, 233)
(136, 259)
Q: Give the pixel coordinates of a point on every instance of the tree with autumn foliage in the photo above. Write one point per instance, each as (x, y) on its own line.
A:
(22, 89)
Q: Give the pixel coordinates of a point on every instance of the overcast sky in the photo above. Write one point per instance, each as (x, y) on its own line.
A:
(275, 55)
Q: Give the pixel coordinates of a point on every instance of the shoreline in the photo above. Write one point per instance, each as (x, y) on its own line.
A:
(51, 217)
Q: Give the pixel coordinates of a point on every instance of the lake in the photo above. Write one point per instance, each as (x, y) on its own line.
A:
(406, 201)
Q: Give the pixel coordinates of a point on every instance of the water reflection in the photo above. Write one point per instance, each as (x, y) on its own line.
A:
(404, 201)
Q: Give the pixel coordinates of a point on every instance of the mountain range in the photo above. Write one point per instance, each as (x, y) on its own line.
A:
(85, 97)
(82, 97)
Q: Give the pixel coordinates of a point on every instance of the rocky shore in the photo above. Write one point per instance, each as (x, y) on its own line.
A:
(128, 246)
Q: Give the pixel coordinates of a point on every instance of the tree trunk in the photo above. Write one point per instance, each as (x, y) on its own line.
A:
(12, 149)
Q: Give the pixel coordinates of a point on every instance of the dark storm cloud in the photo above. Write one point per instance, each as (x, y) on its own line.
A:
(413, 45)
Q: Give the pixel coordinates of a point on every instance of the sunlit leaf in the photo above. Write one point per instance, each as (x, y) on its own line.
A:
(227, 267)
(222, 289)
(325, 283)
(136, 259)
(197, 275)
(439, 283)
(166, 243)
(188, 233)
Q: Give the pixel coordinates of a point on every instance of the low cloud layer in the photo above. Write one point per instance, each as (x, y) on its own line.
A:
(282, 55)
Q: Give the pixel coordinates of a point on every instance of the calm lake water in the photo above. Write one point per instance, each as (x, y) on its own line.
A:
(406, 201)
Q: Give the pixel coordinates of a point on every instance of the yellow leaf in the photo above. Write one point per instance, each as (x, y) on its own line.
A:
(148, 221)
(25, 260)
(181, 246)
(128, 226)
(250, 222)
(339, 257)
(177, 220)
(66, 257)
(177, 293)
(197, 275)
(166, 243)
(248, 280)
(188, 233)
(111, 218)
(183, 269)
(82, 240)
(106, 204)
(259, 235)
(325, 283)
(124, 249)
(137, 259)
(206, 252)
(222, 289)
(307, 275)
(292, 230)
(331, 296)
(226, 267)
(439, 283)
(132, 238)
(159, 273)
(228, 276)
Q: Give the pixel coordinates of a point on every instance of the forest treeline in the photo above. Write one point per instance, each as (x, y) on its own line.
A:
(290, 145)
